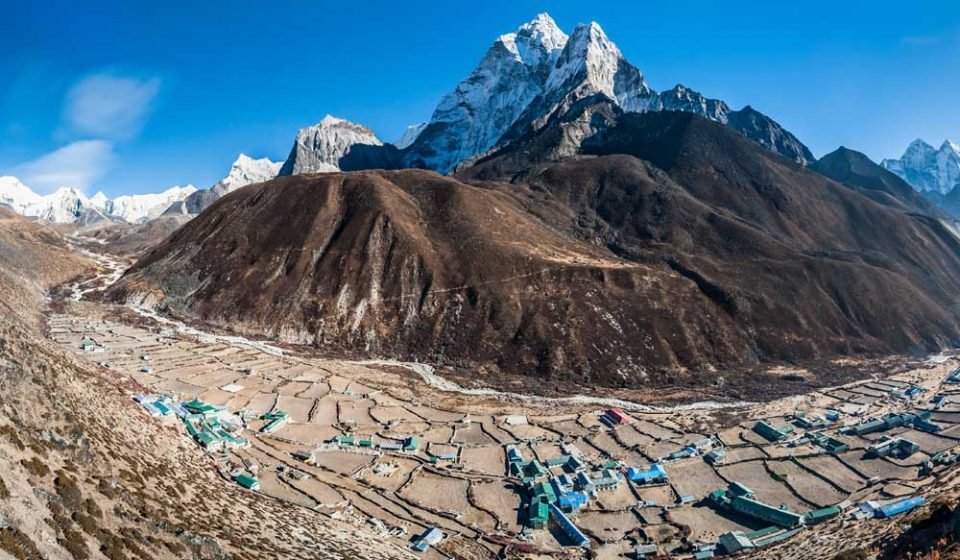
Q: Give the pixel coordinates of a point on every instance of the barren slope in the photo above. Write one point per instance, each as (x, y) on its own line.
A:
(84, 473)
(607, 270)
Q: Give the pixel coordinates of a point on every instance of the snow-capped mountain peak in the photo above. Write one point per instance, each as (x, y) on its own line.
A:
(928, 169)
(140, 208)
(16, 195)
(536, 41)
(246, 170)
(99, 200)
(589, 64)
(524, 79)
(319, 148)
(533, 73)
(473, 117)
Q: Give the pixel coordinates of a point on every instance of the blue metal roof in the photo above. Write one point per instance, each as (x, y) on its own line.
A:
(902, 506)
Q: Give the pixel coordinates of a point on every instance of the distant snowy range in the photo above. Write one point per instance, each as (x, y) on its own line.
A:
(527, 79)
(934, 172)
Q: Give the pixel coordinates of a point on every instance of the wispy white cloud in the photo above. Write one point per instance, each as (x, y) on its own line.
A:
(106, 105)
(78, 164)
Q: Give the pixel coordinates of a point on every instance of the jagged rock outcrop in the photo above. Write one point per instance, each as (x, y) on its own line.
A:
(768, 133)
(336, 144)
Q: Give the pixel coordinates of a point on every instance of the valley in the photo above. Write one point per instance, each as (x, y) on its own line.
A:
(394, 447)
(571, 312)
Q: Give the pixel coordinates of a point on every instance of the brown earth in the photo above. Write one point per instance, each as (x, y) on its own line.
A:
(32, 258)
(84, 473)
(677, 246)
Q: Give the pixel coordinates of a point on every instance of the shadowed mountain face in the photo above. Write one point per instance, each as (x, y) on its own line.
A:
(673, 242)
(858, 172)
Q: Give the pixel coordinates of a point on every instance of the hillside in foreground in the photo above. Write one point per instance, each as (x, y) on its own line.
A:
(85, 474)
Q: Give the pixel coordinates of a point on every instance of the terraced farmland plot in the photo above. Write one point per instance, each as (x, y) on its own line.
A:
(694, 478)
(438, 493)
(471, 434)
(929, 443)
(630, 437)
(343, 462)
(661, 494)
(297, 408)
(836, 471)
(706, 524)
(806, 484)
(622, 497)
(879, 467)
(608, 527)
(768, 490)
(503, 500)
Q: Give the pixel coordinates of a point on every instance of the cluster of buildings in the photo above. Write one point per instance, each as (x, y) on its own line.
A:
(562, 486)
(909, 393)
(697, 448)
(954, 377)
(363, 444)
(893, 447)
(916, 420)
(206, 423)
(741, 499)
(943, 458)
(203, 422)
(160, 406)
(783, 523)
(738, 541)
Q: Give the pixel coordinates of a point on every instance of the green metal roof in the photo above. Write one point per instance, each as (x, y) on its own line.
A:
(539, 512)
(818, 515)
(545, 491)
(247, 481)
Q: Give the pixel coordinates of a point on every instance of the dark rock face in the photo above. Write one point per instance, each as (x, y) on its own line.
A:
(672, 244)
(768, 133)
(857, 171)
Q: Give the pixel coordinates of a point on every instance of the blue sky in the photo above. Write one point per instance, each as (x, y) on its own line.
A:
(138, 96)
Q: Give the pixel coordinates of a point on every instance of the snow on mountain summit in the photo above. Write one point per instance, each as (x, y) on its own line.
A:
(533, 73)
(246, 170)
(928, 169)
(140, 208)
(70, 205)
(473, 117)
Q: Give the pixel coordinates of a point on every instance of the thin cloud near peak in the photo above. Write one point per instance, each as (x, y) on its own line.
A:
(109, 106)
(78, 164)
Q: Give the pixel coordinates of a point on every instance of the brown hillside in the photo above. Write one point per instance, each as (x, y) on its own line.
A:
(596, 269)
